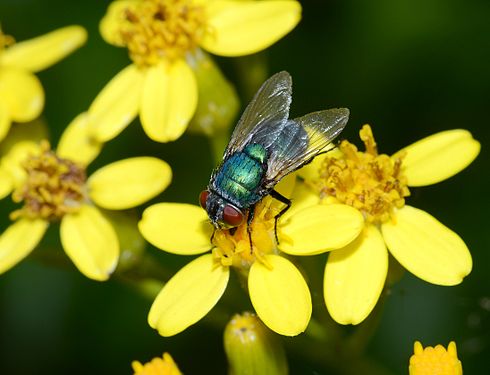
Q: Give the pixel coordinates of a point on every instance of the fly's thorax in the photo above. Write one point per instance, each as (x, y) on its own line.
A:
(256, 152)
(52, 188)
(232, 246)
(153, 30)
(370, 182)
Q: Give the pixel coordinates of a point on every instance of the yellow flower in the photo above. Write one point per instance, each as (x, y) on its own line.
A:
(21, 93)
(162, 37)
(435, 361)
(157, 366)
(377, 185)
(53, 187)
(276, 287)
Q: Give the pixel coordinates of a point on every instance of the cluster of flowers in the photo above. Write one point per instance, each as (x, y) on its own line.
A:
(348, 201)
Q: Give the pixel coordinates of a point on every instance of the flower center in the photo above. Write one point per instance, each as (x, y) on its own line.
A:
(234, 247)
(156, 29)
(53, 186)
(371, 182)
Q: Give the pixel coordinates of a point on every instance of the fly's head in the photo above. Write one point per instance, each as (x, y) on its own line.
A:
(222, 213)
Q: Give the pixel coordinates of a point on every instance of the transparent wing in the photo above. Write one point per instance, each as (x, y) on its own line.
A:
(301, 139)
(270, 106)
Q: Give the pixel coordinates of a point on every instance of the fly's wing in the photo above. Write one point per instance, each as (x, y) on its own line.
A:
(301, 140)
(270, 106)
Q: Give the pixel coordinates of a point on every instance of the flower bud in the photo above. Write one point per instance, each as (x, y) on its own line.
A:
(252, 348)
(131, 243)
(218, 102)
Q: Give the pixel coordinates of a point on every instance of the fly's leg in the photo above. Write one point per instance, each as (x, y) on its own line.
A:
(281, 198)
(251, 213)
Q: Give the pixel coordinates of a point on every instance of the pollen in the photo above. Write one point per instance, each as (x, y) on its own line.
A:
(370, 182)
(53, 186)
(153, 30)
(435, 361)
(241, 247)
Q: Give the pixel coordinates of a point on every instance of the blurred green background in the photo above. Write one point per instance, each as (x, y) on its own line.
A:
(410, 68)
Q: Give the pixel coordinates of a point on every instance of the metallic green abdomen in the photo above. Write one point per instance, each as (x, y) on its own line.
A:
(239, 178)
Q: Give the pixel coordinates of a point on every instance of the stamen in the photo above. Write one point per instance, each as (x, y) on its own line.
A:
(367, 181)
(53, 187)
(153, 30)
(233, 247)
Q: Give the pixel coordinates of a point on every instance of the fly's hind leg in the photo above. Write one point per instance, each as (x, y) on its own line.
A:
(281, 198)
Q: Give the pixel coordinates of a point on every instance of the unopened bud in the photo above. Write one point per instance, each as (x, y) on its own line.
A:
(252, 349)
(131, 243)
(218, 102)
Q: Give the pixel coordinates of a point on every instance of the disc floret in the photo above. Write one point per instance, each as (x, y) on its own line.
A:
(370, 182)
(242, 246)
(156, 29)
(53, 186)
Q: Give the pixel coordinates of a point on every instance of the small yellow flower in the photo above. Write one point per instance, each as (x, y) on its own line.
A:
(277, 289)
(21, 93)
(162, 37)
(53, 187)
(377, 185)
(157, 366)
(435, 361)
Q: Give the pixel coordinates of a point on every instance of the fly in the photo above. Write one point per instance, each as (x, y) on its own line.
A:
(265, 147)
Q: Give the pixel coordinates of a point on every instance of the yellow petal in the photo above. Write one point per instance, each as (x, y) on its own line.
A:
(91, 242)
(13, 161)
(439, 156)
(286, 186)
(43, 51)
(319, 228)
(4, 120)
(427, 248)
(188, 296)
(76, 143)
(117, 104)
(311, 172)
(280, 295)
(169, 100)
(19, 240)
(21, 93)
(6, 183)
(355, 276)
(128, 183)
(33, 131)
(243, 27)
(177, 228)
(115, 20)
(302, 197)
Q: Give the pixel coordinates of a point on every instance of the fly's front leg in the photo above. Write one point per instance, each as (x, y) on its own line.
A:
(251, 213)
(281, 198)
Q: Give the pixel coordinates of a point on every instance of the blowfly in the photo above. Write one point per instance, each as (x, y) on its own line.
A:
(266, 146)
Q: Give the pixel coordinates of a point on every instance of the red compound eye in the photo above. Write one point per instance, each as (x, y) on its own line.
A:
(203, 197)
(232, 216)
